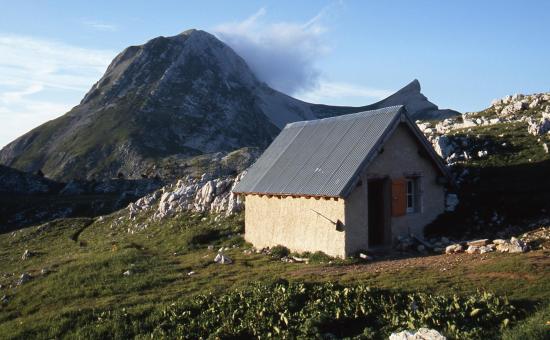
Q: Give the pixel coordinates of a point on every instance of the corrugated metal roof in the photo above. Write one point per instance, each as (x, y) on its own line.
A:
(318, 157)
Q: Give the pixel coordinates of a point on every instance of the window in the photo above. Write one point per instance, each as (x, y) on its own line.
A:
(413, 199)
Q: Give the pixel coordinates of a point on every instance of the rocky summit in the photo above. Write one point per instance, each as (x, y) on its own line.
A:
(183, 95)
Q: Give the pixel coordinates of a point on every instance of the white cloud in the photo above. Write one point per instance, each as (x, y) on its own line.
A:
(342, 93)
(100, 26)
(42, 79)
(282, 54)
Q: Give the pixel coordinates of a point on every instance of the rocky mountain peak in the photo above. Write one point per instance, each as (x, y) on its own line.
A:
(178, 96)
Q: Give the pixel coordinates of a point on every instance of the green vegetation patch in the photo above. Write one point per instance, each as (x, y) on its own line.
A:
(321, 310)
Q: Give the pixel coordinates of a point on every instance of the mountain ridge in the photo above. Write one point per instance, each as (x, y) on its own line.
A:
(184, 95)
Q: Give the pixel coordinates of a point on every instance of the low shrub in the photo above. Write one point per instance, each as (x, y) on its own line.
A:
(300, 310)
(319, 257)
(279, 252)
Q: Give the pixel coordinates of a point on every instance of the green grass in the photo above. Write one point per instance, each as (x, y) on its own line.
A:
(536, 326)
(85, 294)
(86, 276)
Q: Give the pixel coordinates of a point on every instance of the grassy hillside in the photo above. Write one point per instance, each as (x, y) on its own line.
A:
(78, 285)
(113, 277)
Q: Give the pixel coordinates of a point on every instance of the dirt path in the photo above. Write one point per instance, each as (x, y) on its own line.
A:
(396, 263)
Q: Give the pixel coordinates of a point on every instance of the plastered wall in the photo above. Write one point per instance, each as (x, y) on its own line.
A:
(296, 223)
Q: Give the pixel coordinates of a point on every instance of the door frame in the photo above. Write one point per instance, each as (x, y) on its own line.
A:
(386, 210)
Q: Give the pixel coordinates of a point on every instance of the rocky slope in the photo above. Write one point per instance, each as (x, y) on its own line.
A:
(453, 138)
(500, 158)
(180, 96)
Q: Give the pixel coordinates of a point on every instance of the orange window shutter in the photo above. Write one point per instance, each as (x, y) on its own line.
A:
(399, 197)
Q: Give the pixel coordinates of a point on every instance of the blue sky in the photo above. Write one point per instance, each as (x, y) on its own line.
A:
(465, 53)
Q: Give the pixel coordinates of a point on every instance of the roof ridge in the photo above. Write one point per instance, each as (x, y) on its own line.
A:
(355, 115)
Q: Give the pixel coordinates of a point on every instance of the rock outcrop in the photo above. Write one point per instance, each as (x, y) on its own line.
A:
(189, 194)
(532, 110)
(539, 126)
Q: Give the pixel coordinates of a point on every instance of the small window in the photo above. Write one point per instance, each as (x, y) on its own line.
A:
(413, 200)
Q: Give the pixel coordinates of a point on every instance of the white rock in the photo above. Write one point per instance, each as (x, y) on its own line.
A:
(454, 248)
(443, 146)
(517, 246)
(421, 334)
(485, 249)
(26, 255)
(517, 96)
(534, 103)
(25, 277)
(472, 249)
(365, 256)
(539, 127)
(222, 259)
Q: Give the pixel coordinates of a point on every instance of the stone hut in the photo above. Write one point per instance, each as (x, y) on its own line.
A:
(344, 184)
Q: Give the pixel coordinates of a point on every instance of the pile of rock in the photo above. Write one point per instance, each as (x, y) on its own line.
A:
(518, 102)
(448, 246)
(420, 334)
(538, 238)
(483, 246)
(189, 194)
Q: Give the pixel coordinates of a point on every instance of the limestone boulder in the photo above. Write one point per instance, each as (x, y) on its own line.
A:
(517, 246)
(443, 146)
(472, 249)
(540, 126)
(454, 248)
(420, 334)
(222, 259)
